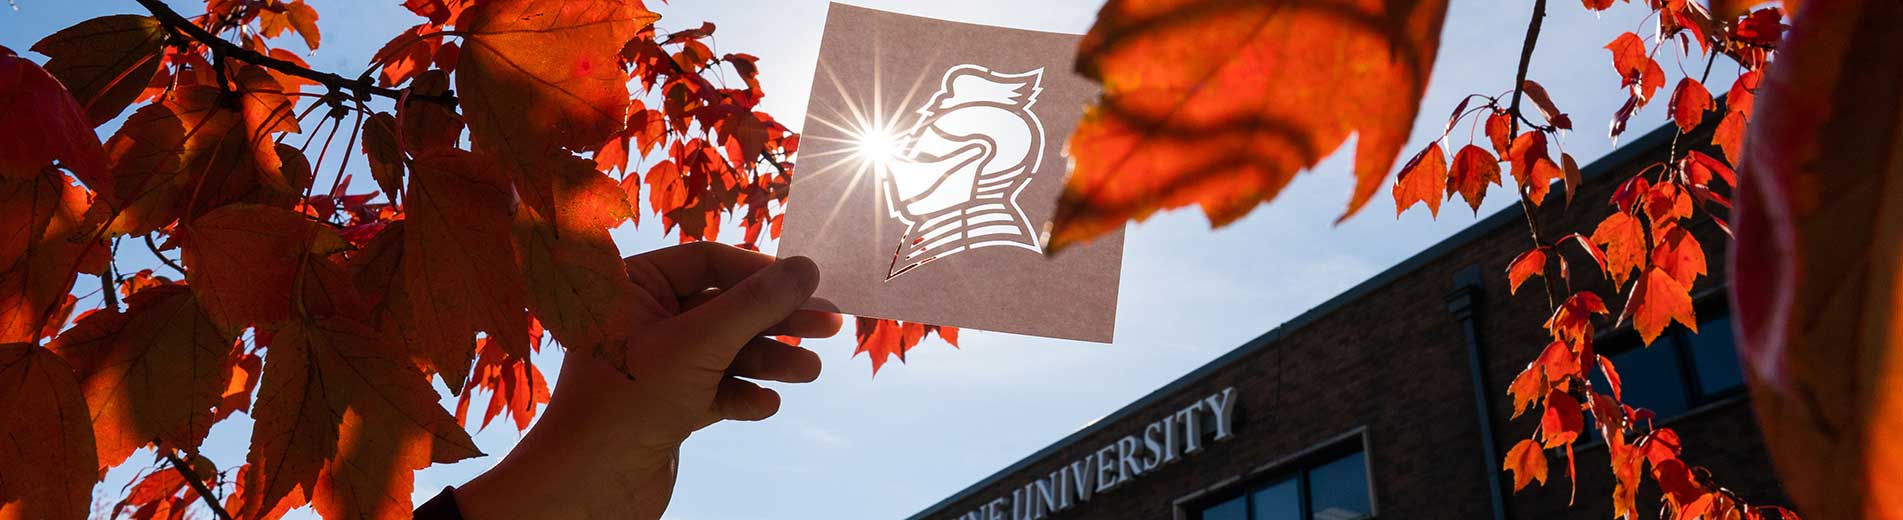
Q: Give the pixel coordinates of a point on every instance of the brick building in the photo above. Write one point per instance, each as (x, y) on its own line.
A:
(1390, 401)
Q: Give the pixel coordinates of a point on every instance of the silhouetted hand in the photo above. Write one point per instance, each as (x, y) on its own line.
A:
(608, 446)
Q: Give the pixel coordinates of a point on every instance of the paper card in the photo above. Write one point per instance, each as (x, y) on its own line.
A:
(929, 170)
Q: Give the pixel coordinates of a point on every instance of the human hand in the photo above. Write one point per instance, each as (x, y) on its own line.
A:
(608, 446)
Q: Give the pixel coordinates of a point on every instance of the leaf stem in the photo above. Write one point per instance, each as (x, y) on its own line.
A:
(204, 492)
(362, 87)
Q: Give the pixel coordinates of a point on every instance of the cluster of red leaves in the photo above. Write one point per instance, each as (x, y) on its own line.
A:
(1643, 248)
(514, 146)
(1171, 131)
(881, 340)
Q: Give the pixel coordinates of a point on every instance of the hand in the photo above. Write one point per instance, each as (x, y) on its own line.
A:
(608, 446)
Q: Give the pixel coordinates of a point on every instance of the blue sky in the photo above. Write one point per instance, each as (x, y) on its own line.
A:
(855, 446)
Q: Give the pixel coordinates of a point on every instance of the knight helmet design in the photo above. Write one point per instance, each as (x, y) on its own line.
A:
(957, 178)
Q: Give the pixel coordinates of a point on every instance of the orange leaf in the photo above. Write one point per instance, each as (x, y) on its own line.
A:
(38, 260)
(47, 462)
(386, 158)
(1656, 302)
(1679, 255)
(459, 270)
(1527, 462)
(1623, 239)
(1666, 202)
(1530, 385)
(105, 61)
(577, 284)
(406, 55)
(1612, 378)
(1730, 133)
(1569, 171)
(1559, 362)
(1528, 264)
(343, 424)
(296, 15)
(1423, 179)
(1562, 421)
(1572, 321)
(246, 259)
(1816, 276)
(154, 372)
(537, 76)
(194, 152)
(1628, 56)
(1473, 168)
(32, 98)
(429, 125)
(1181, 125)
(1627, 465)
(1499, 126)
(1689, 103)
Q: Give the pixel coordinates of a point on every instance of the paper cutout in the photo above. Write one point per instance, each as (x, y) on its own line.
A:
(929, 169)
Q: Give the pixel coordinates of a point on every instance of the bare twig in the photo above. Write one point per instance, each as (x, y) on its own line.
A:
(191, 478)
(362, 87)
(149, 244)
(1513, 130)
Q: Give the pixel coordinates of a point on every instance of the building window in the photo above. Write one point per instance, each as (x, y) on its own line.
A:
(1681, 370)
(1333, 489)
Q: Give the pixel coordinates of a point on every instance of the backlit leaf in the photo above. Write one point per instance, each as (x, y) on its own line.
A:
(343, 424)
(1622, 237)
(1473, 168)
(154, 372)
(1527, 462)
(1423, 179)
(105, 61)
(578, 286)
(1528, 264)
(536, 76)
(1658, 300)
(1562, 422)
(1689, 103)
(245, 259)
(458, 267)
(47, 462)
(32, 98)
(1179, 124)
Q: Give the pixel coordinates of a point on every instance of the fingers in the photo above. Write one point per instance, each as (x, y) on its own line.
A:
(771, 360)
(807, 324)
(738, 400)
(691, 268)
(803, 323)
(724, 324)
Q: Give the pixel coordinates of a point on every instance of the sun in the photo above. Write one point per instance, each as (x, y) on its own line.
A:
(877, 145)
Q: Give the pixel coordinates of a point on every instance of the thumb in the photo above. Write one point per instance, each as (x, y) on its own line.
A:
(746, 310)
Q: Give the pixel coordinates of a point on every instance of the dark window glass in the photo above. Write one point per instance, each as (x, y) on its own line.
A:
(1715, 356)
(1652, 378)
(1234, 509)
(1338, 490)
(1278, 501)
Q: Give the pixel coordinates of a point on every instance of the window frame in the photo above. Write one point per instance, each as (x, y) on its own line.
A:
(1191, 506)
(1708, 304)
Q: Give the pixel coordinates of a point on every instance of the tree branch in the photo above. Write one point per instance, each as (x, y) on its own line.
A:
(162, 258)
(362, 87)
(191, 478)
(1513, 130)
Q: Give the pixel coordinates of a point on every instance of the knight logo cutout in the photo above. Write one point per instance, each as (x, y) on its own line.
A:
(929, 169)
